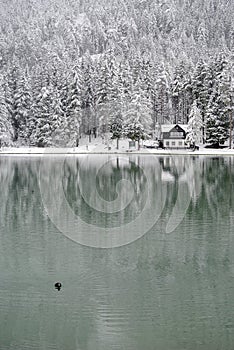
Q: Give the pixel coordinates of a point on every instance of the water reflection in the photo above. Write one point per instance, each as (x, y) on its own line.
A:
(165, 291)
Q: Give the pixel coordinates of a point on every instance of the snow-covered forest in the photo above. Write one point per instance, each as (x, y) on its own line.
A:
(74, 67)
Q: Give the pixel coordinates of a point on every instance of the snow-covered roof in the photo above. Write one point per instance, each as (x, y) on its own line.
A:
(168, 127)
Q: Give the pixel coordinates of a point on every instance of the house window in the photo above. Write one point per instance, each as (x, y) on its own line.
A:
(180, 143)
(176, 134)
(167, 143)
(173, 143)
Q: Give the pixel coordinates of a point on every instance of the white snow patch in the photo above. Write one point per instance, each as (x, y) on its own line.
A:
(100, 149)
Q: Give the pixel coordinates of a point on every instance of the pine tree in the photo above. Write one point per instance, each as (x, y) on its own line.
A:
(60, 134)
(11, 92)
(162, 95)
(116, 126)
(217, 118)
(137, 115)
(89, 96)
(181, 94)
(202, 87)
(195, 124)
(220, 104)
(42, 133)
(108, 90)
(73, 112)
(6, 130)
(23, 103)
(39, 83)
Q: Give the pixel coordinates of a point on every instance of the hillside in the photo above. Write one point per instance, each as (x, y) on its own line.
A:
(69, 67)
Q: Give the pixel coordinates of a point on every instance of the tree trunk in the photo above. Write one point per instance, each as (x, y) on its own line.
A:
(231, 126)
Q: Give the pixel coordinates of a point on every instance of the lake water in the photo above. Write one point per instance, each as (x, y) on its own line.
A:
(166, 281)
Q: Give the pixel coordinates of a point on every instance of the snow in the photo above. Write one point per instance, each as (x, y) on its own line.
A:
(83, 20)
(169, 127)
(101, 148)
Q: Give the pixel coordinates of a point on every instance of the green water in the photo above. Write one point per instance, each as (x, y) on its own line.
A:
(171, 289)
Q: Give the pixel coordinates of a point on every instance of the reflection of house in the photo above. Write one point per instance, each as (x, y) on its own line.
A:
(173, 169)
(173, 135)
(167, 177)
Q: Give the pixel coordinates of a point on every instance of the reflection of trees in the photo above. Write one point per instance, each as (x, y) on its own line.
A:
(104, 180)
(21, 212)
(207, 180)
(148, 287)
(19, 189)
(217, 185)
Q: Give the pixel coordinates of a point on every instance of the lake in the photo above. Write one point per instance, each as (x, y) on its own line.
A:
(143, 247)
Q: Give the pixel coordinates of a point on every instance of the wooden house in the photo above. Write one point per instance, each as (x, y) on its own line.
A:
(173, 135)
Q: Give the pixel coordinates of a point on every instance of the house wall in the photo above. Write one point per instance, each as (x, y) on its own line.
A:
(174, 137)
(174, 143)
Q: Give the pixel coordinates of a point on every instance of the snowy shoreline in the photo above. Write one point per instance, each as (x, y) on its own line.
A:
(36, 151)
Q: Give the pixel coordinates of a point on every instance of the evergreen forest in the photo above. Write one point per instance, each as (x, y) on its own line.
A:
(76, 67)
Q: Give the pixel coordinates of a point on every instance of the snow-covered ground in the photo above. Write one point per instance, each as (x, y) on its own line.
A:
(98, 146)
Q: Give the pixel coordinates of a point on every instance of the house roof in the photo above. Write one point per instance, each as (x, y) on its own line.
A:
(169, 127)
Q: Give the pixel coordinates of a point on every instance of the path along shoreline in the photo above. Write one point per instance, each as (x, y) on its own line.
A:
(36, 151)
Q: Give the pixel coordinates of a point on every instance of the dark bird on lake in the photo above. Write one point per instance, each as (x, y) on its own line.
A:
(58, 286)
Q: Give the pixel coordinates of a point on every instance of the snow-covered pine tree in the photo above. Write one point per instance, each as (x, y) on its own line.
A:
(195, 124)
(162, 95)
(219, 64)
(60, 136)
(125, 79)
(202, 34)
(137, 115)
(23, 103)
(10, 92)
(6, 130)
(39, 83)
(116, 116)
(116, 128)
(217, 116)
(89, 75)
(147, 81)
(56, 80)
(117, 95)
(108, 89)
(42, 132)
(181, 94)
(220, 104)
(230, 78)
(73, 112)
(202, 86)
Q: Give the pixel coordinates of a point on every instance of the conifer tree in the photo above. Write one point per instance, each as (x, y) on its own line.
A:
(42, 133)
(181, 94)
(73, 112)
(23, 103)
(137, 116)
(89, 96)
(162, 96)
(10, 93)
(220, 104)
(6, 130)
(195, 124)
(217, 118)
